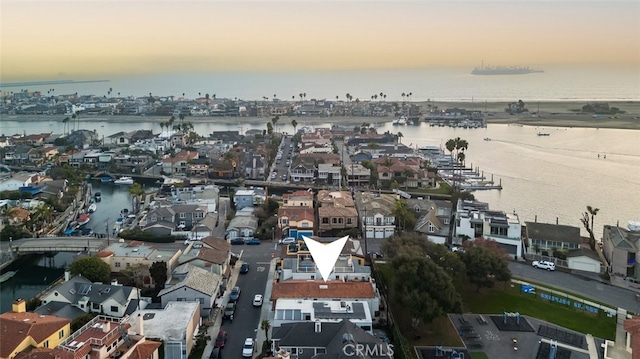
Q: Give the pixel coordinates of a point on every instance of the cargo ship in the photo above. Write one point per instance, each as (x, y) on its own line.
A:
(504, 70)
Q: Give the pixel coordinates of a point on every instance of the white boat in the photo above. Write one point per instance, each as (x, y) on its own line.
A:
(8, 275)
(402, 120)
(124, 180)
(83, 219)
(92, 208)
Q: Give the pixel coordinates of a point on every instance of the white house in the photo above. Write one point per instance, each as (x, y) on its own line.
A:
(323, 311)
(376, 214)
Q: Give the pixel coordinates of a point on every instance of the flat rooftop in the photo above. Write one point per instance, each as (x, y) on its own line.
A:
(167, 324)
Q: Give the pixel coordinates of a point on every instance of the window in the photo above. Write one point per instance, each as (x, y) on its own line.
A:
(128, 264)
(334, 220)
(325, 220)
(305, 225)
(95, 306)
(45, 344)
(284, 221)
(61, 334)
(114, 309)
(117, 264)
(183, 215)
(349, 221)
(432, 228)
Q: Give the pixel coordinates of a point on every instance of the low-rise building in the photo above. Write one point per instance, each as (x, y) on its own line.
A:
(323, 311)
(21, 330)
(198, 285)
(434, 221)
(620, 247)
(249, 197)
(176, 325)
(336, 212)
(376, 214)
(296, 221)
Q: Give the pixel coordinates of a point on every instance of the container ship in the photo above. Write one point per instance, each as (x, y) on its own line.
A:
(504, 70)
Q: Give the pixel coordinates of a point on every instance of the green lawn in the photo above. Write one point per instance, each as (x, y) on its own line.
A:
(496, 301)
(511, 299)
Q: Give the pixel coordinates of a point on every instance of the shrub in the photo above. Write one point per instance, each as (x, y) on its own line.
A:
(138, 235)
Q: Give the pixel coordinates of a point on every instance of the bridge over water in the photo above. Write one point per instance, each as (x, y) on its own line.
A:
(59, 244)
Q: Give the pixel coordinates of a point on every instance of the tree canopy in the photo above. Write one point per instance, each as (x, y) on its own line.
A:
(92, 268)
(485, 266)
(424, 288)
(158, 272)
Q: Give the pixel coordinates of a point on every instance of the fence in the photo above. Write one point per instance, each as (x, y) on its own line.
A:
(401, 348)
(585, 304)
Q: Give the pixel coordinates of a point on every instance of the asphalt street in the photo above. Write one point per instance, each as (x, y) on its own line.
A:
(247, 317)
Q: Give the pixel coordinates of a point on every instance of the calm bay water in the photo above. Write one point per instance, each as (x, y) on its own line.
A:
(576, 82)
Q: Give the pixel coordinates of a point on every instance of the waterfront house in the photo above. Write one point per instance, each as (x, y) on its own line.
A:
(621, 247)
(549, 237)
(434, 221)
(33, 139)
(296, 221)
(375, 211)
(178, 217)
(249, 197)
(475, 220)
(78, 295)
(178, 163)
(197, 285)
(176, 326)
(22, 330)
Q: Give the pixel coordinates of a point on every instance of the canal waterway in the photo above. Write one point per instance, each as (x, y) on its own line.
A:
(37, 272)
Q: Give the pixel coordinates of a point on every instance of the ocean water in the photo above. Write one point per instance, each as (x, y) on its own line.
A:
(556, 83)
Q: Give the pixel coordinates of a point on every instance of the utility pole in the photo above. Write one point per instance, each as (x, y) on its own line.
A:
(364, 223)
(106, 226)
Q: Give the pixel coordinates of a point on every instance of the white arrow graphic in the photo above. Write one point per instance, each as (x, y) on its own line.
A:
(325, 255)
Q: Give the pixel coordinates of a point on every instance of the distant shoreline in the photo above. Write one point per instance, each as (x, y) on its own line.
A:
(551, 114)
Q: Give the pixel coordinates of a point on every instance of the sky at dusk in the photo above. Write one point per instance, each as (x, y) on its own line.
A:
(51, 39)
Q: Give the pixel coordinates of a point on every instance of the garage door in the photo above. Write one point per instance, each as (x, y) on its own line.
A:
(583, 265)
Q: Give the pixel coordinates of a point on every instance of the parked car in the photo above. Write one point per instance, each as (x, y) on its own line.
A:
(257, 300)
(288, 240)
(247, 348)
(221, 339)
(229, 309)
(216, 353)
(544, 265)
(234, 295)
(244, 268)
(252, 241)
(236, 241)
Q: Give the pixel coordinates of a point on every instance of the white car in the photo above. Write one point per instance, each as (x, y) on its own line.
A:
(257, 300)
(544, 265)
(288, 240)
(247, 348)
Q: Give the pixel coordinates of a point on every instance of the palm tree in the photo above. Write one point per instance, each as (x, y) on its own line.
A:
(274, 121)
(294, 123)
(348, 96)
(64, 124)
(403, 96)
(265, 325)
(161, 127)
(304, 95)
(73, 117)
(400, 135)
(269, 128)
(588, 224)
(207, 97)
(409, 95)
(381, 94)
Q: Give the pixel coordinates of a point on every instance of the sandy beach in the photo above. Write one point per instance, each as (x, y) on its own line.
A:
(551, 114)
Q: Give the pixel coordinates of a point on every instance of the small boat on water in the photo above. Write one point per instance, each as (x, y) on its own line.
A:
(97, 196)
(543, 134)
(92, 208)
(487, 139)
(83, 219)
(105, 179)
(124, 180)
(8, 275)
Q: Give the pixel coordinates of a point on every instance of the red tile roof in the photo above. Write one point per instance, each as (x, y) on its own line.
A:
(316, 289)
(145, 349)
(16, 327)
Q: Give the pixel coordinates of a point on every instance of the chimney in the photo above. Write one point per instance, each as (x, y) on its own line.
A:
(67, 274)
(318, 327)
(106, 327)
(19, 306)
(140, 325)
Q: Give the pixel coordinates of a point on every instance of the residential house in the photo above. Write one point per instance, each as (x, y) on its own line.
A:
(358, 175)
(39, 155)
(296, 221)
(182, 217)
(222, 169)
(198, 285)
(298, 199)
(22, 330)
(620, 247)
(33, 139)
(325, 340)
(101, 338)
(178, 163)
(475, 220)
(375, 211)
(303, 170)
(17, 180)
(78, 296)
(255, 167)
(249, 197)
(351, 291)
(433, 221)
(178, 139)
(549, 237)
(298, 264)
(198, 170)
(336, 212)
(316, 148)
(330, 173)
(322, 311)
(243, 224)
(214, 256)
(176, 326)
